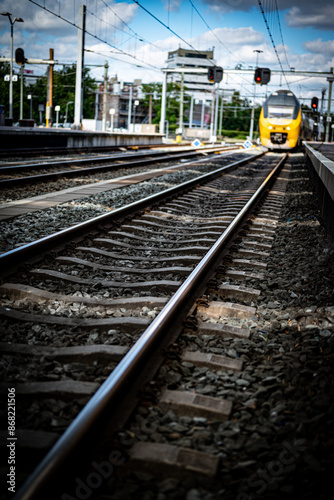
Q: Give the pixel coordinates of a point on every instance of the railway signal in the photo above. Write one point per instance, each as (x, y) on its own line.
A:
(262, 76)
(19, 56)
(215, 74)
(314, 104)
(211, 74)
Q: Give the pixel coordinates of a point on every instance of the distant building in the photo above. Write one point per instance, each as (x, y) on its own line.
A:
(196, 85)
(194, 82)
(118, 98)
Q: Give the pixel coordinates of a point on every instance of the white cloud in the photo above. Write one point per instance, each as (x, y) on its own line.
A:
(301, 13)
(318, 16)
(59, 15)
(320, 47)
(41, 30)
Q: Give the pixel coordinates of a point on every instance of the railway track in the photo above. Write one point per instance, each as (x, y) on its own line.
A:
(66, 206)
(50, 152)
(216, 410)
(27, 173)
(121, 297)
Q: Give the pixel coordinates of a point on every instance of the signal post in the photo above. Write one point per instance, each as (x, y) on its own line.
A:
(214, 74)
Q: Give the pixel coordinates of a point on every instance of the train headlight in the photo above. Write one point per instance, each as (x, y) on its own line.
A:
(270, 127)
(288, 128)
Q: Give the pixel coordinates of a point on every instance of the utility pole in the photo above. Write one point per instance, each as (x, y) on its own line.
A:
(96, 105)
(330, 85)
(21, 93)
(212, 113)
(150, 110)
(104, 109)
(216, 115)
(163, 105)
(135, 104)
(11, 70)
(50, 91)
(221, 113)
(253, 106)
(191, 114)
(80, 68)
(202, 113)
(130, 108)
(323, 92)
(181, 105)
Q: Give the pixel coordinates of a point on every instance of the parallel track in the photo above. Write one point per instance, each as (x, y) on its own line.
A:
(47, 151)
(225, 219)
(97, 164)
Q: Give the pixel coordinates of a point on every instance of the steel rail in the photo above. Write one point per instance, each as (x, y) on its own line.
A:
(116, 157)
(23, 253)
(4, 153)
(127, 369)
(6, 183)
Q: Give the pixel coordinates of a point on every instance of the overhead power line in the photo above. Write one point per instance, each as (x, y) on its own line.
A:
(108, 56)
(268, 10)
(214, 34)
(139, 37)
(168, 28)
(280, 30)
(94, 36)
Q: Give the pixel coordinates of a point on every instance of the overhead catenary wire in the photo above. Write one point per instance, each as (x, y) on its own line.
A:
(168, 28)
(281, 34)
(108, 56)
(214, 34)
(94, 35)
(268, 10)
(139, 37)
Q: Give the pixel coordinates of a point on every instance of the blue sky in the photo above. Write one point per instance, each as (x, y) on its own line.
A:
(137, 44)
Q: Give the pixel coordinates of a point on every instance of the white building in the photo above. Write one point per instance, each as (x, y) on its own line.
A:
(196, 85)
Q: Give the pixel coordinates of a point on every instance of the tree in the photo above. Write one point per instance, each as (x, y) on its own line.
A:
(4, 92)
(63, 92)
(172, 102)
(237, 115)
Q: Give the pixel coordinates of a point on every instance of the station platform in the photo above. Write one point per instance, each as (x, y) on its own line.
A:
(319, 157)
(35, 137)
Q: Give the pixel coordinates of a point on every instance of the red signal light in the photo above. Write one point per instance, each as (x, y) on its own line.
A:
(314, 103)
(262, 76)
(211, 74)
(258, 75)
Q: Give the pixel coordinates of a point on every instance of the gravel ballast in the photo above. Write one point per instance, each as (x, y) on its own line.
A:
(28, 227)
(278, 442)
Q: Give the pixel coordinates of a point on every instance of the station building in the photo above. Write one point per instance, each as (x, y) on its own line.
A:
(197, 86)
(121, 95)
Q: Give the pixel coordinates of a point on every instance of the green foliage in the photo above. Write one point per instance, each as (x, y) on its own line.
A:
(172, 103)
(4, 92)
(63, 92)
(234, 134)
(237, 115)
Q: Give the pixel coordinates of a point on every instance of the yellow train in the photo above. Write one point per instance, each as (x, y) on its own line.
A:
(282, 125)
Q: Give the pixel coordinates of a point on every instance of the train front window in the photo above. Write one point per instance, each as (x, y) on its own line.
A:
(281, 104)
(280, 112)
